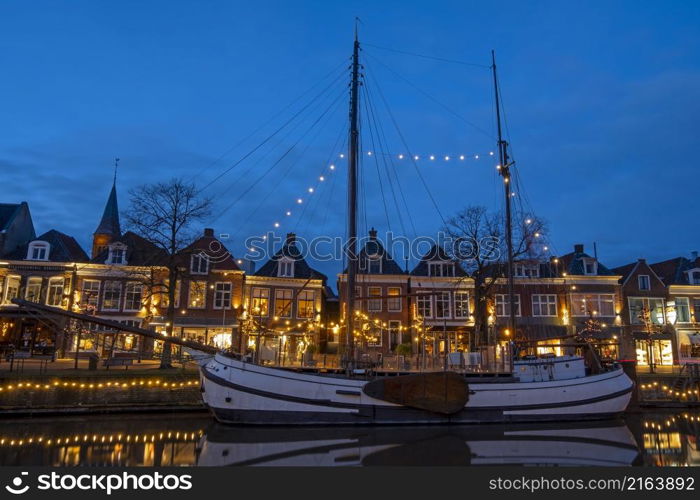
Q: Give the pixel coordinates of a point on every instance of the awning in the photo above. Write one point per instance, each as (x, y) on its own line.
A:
(542, 332)
(653, 336)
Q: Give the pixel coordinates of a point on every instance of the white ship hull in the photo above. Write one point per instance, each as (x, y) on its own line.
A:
(246, 393)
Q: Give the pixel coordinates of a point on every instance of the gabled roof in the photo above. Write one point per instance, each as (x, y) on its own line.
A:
(139, 251)
(673, 271)
(62, 248)
(290, 250)
(110, 217)
(373, 249)
(219, 256)
(628, 270)
(436, 254)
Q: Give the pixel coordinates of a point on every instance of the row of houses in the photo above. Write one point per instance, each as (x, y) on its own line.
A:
(644, 311)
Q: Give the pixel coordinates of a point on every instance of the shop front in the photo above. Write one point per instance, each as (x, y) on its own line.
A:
(654, 349)
(689, 346)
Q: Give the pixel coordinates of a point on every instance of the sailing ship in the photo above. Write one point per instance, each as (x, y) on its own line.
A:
(239, 390)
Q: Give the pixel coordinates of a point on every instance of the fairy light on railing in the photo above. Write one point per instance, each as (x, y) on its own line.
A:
(112, 384)
(430, 156)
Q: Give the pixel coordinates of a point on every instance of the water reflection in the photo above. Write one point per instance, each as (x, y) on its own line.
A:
(657, 439)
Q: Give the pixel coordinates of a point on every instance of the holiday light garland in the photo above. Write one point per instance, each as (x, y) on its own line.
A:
(57, 384)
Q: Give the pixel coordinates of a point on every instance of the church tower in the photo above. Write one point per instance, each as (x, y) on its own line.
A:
(109, 229)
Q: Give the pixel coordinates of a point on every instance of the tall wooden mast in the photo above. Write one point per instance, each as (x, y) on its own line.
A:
(351, 250)
(505, 173)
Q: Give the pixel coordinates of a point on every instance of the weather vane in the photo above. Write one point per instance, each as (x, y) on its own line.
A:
(116, 166)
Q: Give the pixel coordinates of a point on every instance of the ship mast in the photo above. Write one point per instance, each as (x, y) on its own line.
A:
(505, 173)
(351, 250)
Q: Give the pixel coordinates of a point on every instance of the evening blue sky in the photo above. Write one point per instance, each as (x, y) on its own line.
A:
(602, 101)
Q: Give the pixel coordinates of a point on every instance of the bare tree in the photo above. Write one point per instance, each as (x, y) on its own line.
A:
(164, 213)
(478, 243)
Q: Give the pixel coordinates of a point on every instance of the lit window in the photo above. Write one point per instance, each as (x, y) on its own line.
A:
(394, 301)
(197, 298)
(283, 302)
(596, 304)
(643, 281)
(682, 309)
(374, 305)
(54, 297)
(305, 304)
(647, 310)
(90, 293)
(12, 290)
(111, 296)
(33, 290)
(260, 302)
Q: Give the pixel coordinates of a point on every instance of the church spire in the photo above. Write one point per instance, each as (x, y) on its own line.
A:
(109, 228)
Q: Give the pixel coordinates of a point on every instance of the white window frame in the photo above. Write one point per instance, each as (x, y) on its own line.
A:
(423, 300)
(260, 295)
(7, 296)
(286, 296)
(462, 298)
(687, 309)
(391, 300)
(641, 278)
(108, 288)
(197, 286)
(55, 289)
(599, 299)
(394, 328)
(32, 282)
(223, 291)
(443, 298)
(374, 305)
(88, 295)
(306, 296)
(130, 294)
(544, 301)
(648, 302)
(114, 258)
(594, 263)
(40, 247)
(524, 270)
(199, 263)
(502, 301)
(285, 268)
(374, 259)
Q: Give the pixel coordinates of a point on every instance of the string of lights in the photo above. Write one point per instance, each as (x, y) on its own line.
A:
(102, 438)
(112, 384)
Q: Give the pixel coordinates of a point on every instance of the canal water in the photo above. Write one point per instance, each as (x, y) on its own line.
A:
(188, 439)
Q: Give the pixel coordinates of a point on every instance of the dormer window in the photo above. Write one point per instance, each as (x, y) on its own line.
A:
(442, 269)
(117, 254)
(286, 268)
(38, 250)
(199, 264)
(524, 270)
(694, 276)
(590, 267)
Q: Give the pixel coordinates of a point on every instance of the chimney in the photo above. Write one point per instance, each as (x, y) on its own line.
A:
(208, 232)
(578, 248)
(291, 238)
(373, 234)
